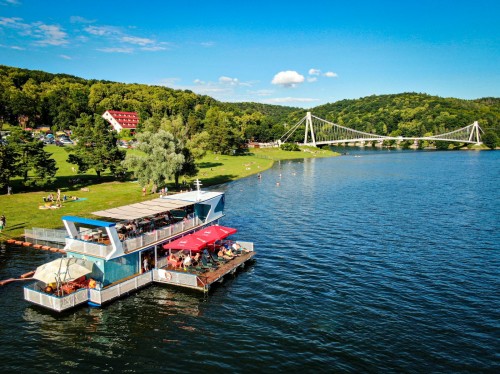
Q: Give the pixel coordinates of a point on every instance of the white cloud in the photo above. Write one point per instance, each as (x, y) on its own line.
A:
(14, 23)
(116, 50)
(78, 19)
(207, 44)
(10, 2)
(330, 74)
(229, 81)
(153, 48)
(289, 78)
(198, 81)
(137, 40)
(169, 82)
(66, 57)
(314, 72)
(102, 30)
(312, 79)
(49, 34)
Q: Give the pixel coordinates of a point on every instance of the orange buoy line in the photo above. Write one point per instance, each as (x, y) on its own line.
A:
(11, 241)
(28, 274)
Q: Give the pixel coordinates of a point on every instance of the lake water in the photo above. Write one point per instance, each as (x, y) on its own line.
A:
(372, 262)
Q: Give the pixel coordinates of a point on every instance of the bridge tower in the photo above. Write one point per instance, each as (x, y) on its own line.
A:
(309, 125)
(474, 134)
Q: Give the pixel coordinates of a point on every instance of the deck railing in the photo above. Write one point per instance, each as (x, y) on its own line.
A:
(109, 293)
(88, 248)
(57, 303)
(175, 277)
(47, 235)
(129, 245)
(147, 238)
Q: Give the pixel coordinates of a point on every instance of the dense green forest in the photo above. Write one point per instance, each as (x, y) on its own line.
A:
(35, 98)
(412, 114)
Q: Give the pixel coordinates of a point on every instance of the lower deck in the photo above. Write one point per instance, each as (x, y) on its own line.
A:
(200, 281)
(191, 278)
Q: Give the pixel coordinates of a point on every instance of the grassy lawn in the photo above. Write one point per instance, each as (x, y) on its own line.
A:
(22, 209)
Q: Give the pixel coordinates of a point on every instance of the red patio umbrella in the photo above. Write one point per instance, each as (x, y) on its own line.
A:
(213, 233)
(190, 242)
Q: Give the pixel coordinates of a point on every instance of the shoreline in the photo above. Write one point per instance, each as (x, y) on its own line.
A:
(22, 209)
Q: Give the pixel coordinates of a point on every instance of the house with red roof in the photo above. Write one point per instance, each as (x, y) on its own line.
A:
(121, 120)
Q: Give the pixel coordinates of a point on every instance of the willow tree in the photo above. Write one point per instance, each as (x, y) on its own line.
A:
(164, 157)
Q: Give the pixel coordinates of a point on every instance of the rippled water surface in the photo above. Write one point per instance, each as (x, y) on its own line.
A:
(375, 261)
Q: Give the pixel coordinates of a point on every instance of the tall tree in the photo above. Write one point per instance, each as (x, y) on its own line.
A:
(96, 147)
(164, 158)
(29, 159)
(7, 159)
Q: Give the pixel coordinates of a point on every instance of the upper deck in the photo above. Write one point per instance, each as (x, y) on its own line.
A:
(136, 226)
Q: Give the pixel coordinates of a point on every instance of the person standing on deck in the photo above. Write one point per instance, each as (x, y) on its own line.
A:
(146, 264)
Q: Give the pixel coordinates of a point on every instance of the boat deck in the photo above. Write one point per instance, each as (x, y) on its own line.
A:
(200, 281)
(213, 276)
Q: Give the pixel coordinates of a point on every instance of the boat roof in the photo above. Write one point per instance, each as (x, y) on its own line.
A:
(155, 206)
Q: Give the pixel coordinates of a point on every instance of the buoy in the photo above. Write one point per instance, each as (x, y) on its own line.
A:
(28, 275)
(27, 244)
(37, 246)
(61, 251)
(18, 242)
(10, 241)
(45, 247)
(54, 249)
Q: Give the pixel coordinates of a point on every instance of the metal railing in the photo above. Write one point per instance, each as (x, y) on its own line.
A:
(175, 277)
(109, 293)
(148, 238)
(57, 303)
(88, 248)
(129, 245)
(47, 235)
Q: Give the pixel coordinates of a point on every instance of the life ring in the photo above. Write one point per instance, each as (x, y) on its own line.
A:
(168, 276)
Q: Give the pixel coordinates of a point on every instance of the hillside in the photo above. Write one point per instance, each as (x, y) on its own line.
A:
(35, 98)
(411, 114)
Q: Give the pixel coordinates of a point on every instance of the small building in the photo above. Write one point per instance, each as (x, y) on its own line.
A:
(122, 120)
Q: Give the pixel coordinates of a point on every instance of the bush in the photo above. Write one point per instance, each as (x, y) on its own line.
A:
(290, 147)
(490, 139)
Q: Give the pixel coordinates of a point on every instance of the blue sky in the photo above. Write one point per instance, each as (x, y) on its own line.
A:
(294, 53)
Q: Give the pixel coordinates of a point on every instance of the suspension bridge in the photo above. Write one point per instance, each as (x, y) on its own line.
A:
(322, 132)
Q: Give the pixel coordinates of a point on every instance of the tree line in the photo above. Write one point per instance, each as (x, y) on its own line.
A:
(188, 125)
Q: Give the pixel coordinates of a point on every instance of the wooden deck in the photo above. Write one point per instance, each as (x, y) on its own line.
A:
(213, 276)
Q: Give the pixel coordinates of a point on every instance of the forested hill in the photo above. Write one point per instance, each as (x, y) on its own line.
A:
(35, 98)
(411, 114)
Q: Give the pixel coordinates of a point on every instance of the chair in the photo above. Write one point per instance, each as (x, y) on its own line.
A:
(206, 264)
(218, 259)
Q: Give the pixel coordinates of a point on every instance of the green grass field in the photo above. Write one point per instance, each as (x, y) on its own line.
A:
(22, 210)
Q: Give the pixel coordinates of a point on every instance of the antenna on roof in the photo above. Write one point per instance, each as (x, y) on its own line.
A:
(197, 183)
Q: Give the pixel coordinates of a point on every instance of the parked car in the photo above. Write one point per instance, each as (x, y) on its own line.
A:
(66, 141)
